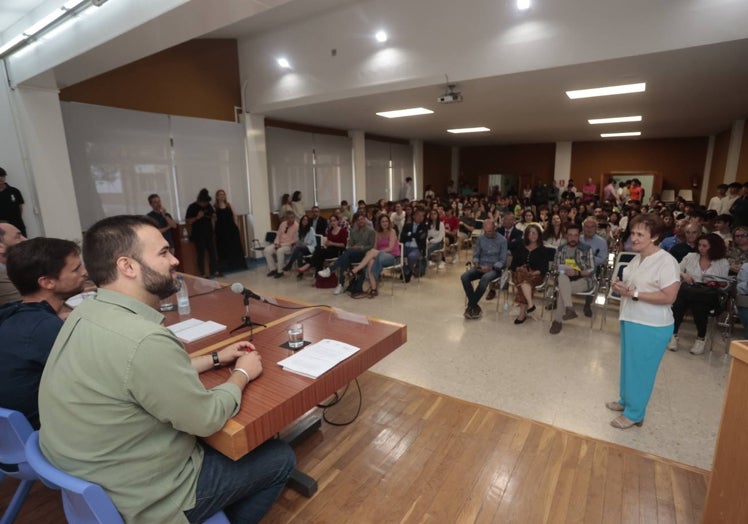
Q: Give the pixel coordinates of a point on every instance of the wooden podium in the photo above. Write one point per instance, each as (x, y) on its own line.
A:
(726, 500)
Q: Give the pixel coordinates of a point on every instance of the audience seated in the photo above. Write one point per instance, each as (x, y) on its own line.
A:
(360, 240)
(692, 231)
(576, 274)
(10, 235)
(489, 258)
(737, 254)
(305, 244)
(708, 260)
(599, 247)
(285, 240)
(334, 242)
(413, 238)
(384, 254)
(436, 237)
(508, 230)
(529, 266)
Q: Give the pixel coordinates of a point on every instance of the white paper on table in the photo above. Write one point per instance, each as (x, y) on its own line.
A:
(194, 329)
(318, 358)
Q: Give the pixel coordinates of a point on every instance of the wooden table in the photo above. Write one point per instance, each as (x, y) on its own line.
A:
(277, 397)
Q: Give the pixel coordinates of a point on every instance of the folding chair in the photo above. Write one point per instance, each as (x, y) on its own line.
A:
(622, 260)
(83, 502)
(397, 268)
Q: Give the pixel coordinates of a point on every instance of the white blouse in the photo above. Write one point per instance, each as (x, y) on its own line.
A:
(690, 265)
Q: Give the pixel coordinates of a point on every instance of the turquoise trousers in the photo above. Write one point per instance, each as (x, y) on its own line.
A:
(642, 349)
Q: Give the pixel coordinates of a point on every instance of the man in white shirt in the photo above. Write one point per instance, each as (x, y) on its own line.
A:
(715, 202)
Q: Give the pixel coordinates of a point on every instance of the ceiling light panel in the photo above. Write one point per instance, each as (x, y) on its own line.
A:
(607, 91)
(399, 113)
(284, 63)
(523, 4)
(614, 135)
(468, 130)
(615, 120)
(381, 36)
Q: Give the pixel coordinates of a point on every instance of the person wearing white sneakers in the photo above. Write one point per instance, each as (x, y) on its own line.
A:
(648, 287)
(709, 260)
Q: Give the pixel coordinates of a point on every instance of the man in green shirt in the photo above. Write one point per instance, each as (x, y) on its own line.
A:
(121, 403)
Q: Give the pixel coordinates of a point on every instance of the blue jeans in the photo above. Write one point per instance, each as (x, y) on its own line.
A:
(474, 295)
(244, 489)
(433, 247)
(415, 261)
(743, 314)
(383, 260)
(345, 260)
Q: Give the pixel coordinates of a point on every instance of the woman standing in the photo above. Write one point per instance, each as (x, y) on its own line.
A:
(529, 266)
(333, 244)
(201, 215)
(228, 243)
(305, 245)
(708, 260)
(649, 286)
(386, 249)
(285, 205)
(297, 206)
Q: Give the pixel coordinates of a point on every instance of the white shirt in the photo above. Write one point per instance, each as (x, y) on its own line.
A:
(690, 265)
(715, 203)
(656, 272)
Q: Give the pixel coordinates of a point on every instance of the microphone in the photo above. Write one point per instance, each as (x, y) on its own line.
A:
(239, 289)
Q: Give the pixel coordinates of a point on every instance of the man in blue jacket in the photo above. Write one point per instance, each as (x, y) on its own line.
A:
(46, 271)
(489, 258)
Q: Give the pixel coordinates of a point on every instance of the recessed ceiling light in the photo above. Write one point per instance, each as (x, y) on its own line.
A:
(399, 113)
(284, 63)
(615, 120)
(607, 91)
(523, 4)
(381, 36)
(613, 135)
(468, 130)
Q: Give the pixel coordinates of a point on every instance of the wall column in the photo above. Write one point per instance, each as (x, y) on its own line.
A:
(359, 166)
(51, 206)
(562, 165)
(257, 177)
(417, 168)
(733, 151)
(706, 175)
(455, 169)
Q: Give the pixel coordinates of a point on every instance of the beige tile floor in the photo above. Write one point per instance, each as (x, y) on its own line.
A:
(562, 380)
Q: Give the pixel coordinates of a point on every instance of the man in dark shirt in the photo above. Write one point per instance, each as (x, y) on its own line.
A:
(163, 220)
(692, 232)
(11, 204)
(319, 223)
(46, 271)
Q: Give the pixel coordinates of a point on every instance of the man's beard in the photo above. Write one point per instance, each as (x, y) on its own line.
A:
(162, 286)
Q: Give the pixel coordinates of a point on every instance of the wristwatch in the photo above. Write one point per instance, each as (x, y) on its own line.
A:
(216, 360)
(635, 296)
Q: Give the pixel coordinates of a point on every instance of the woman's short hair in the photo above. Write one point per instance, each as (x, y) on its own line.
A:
(652, 223)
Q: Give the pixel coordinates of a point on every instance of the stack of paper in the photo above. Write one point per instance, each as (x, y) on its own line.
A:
(194, 329)
(318, 358)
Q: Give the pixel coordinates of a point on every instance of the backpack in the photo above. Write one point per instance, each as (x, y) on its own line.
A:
(356, 285)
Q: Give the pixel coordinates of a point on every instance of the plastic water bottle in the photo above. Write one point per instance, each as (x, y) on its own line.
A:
(183, 297)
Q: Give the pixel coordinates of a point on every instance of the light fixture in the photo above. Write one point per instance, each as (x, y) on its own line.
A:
(284, 63)
(607, 91)
(523, 4)
(468, 130)
(381, 36)
(613, 135)
(615, 120)
(399, 113)
(53, 19)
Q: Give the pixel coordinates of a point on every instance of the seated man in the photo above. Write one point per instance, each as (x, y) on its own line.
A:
(121, 403)
(10, 235)
(599, 248)
(46, 271)
(489, 258)
(576, 271)
(360, 240)
(413, 237)
(285, 240)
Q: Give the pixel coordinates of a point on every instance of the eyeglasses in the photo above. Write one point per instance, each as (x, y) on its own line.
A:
(740, 235)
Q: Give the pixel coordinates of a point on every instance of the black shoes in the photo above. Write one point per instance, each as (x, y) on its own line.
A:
(520, 320)
(587, 310)
(531, 309)
(272, 273)
(491, 294)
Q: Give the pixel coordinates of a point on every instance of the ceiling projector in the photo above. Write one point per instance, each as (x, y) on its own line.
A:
(449, 98)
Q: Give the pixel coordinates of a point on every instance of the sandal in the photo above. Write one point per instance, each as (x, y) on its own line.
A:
(614, 406)
(622, 422)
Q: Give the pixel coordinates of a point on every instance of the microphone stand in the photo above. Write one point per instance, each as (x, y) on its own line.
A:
(246, 321)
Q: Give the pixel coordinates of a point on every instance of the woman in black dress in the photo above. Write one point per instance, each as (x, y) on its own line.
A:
(228, 242)
(201, 215)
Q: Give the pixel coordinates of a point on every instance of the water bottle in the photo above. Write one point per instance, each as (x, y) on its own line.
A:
(183, 297)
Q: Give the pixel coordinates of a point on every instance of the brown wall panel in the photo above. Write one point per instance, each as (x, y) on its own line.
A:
(437, 167)
(534, 160)
(675, 159)
(719, 162)
(199, 78)
(742, 174)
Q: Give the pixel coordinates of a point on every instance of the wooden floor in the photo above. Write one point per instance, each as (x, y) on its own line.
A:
(417, 456)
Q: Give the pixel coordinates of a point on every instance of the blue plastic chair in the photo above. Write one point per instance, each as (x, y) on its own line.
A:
(83, 502)
(14, 432)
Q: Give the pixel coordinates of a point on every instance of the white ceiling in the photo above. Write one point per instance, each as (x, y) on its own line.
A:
(696, 91)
